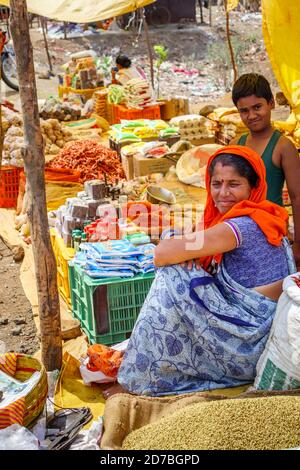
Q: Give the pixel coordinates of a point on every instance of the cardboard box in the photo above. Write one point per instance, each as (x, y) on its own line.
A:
(143, 166)
(127, 163)
(174, 107)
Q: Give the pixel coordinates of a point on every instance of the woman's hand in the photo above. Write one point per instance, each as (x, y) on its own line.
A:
(192, 263)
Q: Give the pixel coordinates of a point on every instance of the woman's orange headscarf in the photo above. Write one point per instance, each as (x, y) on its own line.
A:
(271, 218)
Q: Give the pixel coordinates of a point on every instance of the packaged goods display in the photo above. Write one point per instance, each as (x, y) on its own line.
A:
(137, 93)
(193, 127)
(82, 73)
(131, 131)
(100, 98)
(115, 258)
(227, 123)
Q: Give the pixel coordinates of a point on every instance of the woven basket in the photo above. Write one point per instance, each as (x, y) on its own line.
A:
(86, 93)
(36, 398)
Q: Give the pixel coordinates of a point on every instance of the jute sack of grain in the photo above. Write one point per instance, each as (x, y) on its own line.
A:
(278, 367)
(125, 413)
(267, 423)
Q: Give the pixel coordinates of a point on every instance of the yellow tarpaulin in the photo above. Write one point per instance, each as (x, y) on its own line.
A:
(82, 11)
(282, 38)
(231, 4)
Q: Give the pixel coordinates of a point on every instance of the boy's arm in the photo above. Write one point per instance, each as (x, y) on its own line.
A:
(290, 162)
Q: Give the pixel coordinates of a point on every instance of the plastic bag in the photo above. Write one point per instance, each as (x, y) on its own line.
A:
(104, 359)
(16, 437)
(278, 367)
(191, 167)
(62, 174)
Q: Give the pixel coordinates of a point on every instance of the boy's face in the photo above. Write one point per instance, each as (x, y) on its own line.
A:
(255, 112)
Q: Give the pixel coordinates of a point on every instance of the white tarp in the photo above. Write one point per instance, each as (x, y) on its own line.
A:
(81, 11)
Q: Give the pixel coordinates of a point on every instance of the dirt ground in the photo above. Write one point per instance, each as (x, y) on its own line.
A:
(17, 327)
(197, 66)
(191, 47)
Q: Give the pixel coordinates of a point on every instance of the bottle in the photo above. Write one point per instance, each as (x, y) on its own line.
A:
(83, 238)
(74, 234)
(113, 229)
(77, 241)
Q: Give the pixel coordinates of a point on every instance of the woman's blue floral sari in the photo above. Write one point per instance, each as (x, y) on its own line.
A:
(196, 332)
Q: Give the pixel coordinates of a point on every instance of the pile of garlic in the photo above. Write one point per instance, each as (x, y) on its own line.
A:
(54, 134)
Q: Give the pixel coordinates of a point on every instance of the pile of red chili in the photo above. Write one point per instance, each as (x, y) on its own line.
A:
(91, 159)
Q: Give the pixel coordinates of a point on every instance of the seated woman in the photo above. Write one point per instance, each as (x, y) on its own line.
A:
(200, 331)
(125, 71)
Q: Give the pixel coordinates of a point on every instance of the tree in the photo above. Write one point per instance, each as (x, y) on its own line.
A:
(34, 162)
(162, 54)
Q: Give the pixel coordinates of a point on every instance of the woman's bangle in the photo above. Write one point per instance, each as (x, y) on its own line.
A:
(169, 233)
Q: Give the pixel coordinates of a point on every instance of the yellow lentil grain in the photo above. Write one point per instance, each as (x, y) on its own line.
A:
(268, 423)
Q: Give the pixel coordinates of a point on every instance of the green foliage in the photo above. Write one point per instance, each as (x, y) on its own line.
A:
(220, 58)
(106, 65)
(161, 53)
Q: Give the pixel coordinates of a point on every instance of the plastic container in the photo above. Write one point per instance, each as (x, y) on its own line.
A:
(62, 256)
(107, 308)
(121, 112)
(286, 197)
(9, 186)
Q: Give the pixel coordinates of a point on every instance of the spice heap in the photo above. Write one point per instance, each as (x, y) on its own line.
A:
(269, 423)
(91, 159)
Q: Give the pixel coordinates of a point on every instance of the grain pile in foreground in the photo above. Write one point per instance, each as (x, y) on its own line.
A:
(250, 423)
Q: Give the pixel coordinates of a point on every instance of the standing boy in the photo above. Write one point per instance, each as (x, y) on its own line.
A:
(254, 100)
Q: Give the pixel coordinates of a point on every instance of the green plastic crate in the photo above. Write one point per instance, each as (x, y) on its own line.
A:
(107, 308)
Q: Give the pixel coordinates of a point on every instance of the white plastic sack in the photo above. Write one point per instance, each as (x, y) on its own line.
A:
(16, 437)
(278, 367)
(191, 167)
(89, 439)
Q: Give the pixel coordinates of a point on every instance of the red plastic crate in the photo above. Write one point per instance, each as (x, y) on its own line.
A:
(121, 112)
(9, 186)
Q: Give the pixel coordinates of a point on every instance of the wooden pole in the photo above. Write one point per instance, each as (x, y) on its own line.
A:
(43, 21)
(34, 162)
(65, 30)
(1, 129)
(234, 67)
(150, 53)
(201, 11)
(210, 12)
(1, 124)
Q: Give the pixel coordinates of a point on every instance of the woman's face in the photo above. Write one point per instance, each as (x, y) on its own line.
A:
(228, 187)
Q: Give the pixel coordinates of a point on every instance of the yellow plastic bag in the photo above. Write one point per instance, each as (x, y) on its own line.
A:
(58, 191)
